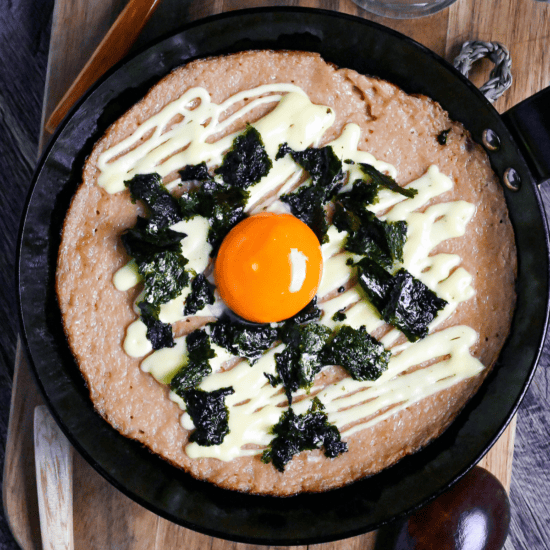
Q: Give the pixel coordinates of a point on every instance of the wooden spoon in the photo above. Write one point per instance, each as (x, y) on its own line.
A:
(113, 48)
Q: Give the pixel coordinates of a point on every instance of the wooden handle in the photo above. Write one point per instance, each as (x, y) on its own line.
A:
(114, 46)
(54, 482)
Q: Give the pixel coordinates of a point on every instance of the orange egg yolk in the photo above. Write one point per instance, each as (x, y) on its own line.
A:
(269, 267)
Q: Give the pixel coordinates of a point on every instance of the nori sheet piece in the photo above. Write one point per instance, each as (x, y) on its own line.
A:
(164, 210)
(202, 294)
(158, 333)
(142, 244)
(442, 137)
(358, 352)
(360, 195)
(244, 340)
(339, 316)
(195, 172)
(221, 205)
(323, 166)
(308, 314)
(373, 176)
(199, 353)
(402, 300)
(369, 236)
(247, 162)
(304, 432)
(209, 414)
(307, 204)
(327, 177)
(375, 281)
(411, 306)
(300, 361)
(164, 276)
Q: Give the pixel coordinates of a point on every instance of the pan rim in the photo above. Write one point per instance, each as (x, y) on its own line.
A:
(25, 338)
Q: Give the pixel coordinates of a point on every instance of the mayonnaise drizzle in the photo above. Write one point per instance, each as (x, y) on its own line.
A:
(298, 267)
(256, 406)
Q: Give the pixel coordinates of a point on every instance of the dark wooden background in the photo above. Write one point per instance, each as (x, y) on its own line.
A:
(24, 39)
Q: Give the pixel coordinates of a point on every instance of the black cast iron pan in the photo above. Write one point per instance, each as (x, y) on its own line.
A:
(369, 49)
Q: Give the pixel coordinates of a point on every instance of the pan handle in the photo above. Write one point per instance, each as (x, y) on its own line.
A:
(529, 123)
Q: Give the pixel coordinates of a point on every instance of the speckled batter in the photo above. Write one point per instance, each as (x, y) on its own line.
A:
(396, 128)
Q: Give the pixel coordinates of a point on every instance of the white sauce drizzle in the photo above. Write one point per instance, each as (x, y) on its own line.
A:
(127, 277)
(298, 265)
(256, 406)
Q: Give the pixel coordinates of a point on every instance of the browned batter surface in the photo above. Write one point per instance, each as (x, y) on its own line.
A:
(395, 127)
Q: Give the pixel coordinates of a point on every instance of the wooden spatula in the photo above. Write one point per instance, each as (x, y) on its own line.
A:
(114, 46)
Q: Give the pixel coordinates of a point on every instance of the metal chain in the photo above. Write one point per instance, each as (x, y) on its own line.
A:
(501, 76)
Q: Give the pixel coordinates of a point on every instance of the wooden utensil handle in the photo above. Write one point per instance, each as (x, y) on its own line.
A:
(114, 46)
(54, 482)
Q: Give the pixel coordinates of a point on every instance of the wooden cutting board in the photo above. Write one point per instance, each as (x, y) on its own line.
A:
(103, 517)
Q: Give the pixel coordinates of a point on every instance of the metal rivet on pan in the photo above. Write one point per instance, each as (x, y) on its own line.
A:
(491, 140)
(511, 179)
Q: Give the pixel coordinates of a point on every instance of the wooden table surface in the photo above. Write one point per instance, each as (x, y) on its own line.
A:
(523, 25)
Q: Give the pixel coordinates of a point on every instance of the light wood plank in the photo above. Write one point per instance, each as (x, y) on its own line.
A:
(19, 479)
(54, 479)
(78, 27)
(105, 517)
(170, 535)
(522, 26)
(362, 542)
(499, 459)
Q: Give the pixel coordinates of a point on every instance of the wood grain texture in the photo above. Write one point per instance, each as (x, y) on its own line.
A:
(54, 481)
(77, 29)
(114, 46)
(108, 519)
(19, 479)
(522, 26)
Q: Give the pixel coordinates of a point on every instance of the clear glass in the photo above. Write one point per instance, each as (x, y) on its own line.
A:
(403, 9)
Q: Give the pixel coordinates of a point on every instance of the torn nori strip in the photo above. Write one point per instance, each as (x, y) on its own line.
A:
(358, 352)
(221, 205)
(323, 166)
(375, 281)
(226, 212)
(199, 353)
(402, 300)
(327, 177)
(300, 361)
(141, 244)
(272, 379)
(247, 162)
(164, 276)
(411, 305)
(195, 172)
(442, 137)
(310, 313)
(210, 415)
(396, 237)
(307, 204)
(360, 195)
(339, 316)
(369, 236)
(241, 339)
(158, 333)
(373, 176)
(202, 293)
(305, 432)
(164, 210)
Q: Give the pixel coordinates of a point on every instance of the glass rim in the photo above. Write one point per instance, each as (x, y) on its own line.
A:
(403, 9)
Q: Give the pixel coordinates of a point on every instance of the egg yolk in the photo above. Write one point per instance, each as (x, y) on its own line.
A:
(269, 267)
